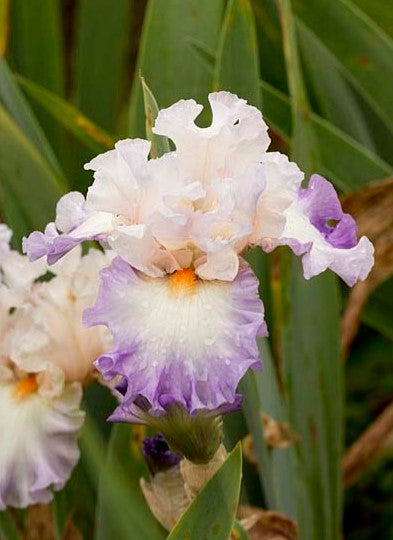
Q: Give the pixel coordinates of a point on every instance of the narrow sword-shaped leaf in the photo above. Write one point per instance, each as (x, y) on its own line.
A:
(29, 188)
(237, 61)
(86, 131)
(211, 514)
(159, 144)
(165, 59)
(16, 104)
(311, 342)
(120, 497)
(362, 48)
(37, 52)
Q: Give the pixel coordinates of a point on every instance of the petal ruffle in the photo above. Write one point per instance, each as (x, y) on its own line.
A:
(308, 232)
(177, 338)
(38, 447)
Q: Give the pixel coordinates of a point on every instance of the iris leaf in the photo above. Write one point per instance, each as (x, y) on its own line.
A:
(211, 514)
(121, 511)
(310, 343)
(86, 131)
(159, 144)
(165, 58)
(29, 188)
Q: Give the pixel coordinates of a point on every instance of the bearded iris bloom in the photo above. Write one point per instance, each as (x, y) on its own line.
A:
(179, 300)
(45, 355)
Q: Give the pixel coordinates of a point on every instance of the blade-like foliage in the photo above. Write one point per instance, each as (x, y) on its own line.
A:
(8, 529)
(122, 511)
(20, 110)
(22, 173)
(159, 144)
(165, 58)
(103, 38)
(86, 131)
(237, 63)
(211, 514)
(37, 52)
(364, 51)
(310, 344)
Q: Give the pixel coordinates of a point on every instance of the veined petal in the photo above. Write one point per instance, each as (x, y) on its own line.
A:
(178, 339)
(38, 446)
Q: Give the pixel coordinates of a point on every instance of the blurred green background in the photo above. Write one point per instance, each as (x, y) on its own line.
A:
(321, 71)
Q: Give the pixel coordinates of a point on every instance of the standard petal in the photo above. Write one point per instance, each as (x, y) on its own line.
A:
(282, 182)
(70, 211)
(236, 137)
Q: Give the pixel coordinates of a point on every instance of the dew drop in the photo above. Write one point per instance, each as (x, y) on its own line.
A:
(209, 340)
(227, 362)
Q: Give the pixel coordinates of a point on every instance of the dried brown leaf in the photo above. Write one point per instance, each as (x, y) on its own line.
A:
(266, 525)
(277, 435)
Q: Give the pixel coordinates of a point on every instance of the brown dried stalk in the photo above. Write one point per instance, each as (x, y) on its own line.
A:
(368, 446)
(373, 211)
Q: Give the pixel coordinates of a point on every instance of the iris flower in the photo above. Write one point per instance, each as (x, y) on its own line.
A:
(180, 301)
(45, 354)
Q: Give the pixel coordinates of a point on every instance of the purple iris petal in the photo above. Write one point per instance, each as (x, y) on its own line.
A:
(321, 204)
(190, 348)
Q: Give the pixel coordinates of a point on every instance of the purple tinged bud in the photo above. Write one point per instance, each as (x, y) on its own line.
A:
(158, 456)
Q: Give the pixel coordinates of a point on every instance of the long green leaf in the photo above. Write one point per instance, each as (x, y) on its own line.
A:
(283, 463)
(124, 455)
(159, 144)
(122, 511)
(20, 110)
(8, 529)
(252, 412)
(380, 12)
(379, 309)
(342, 159)
(102, 45)
(310, 344)
(69, 116)
(37, 52)
(335, 97)
(28, 186)
(165, 58)
(211, 514)
(362, 48)
(237, 63)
